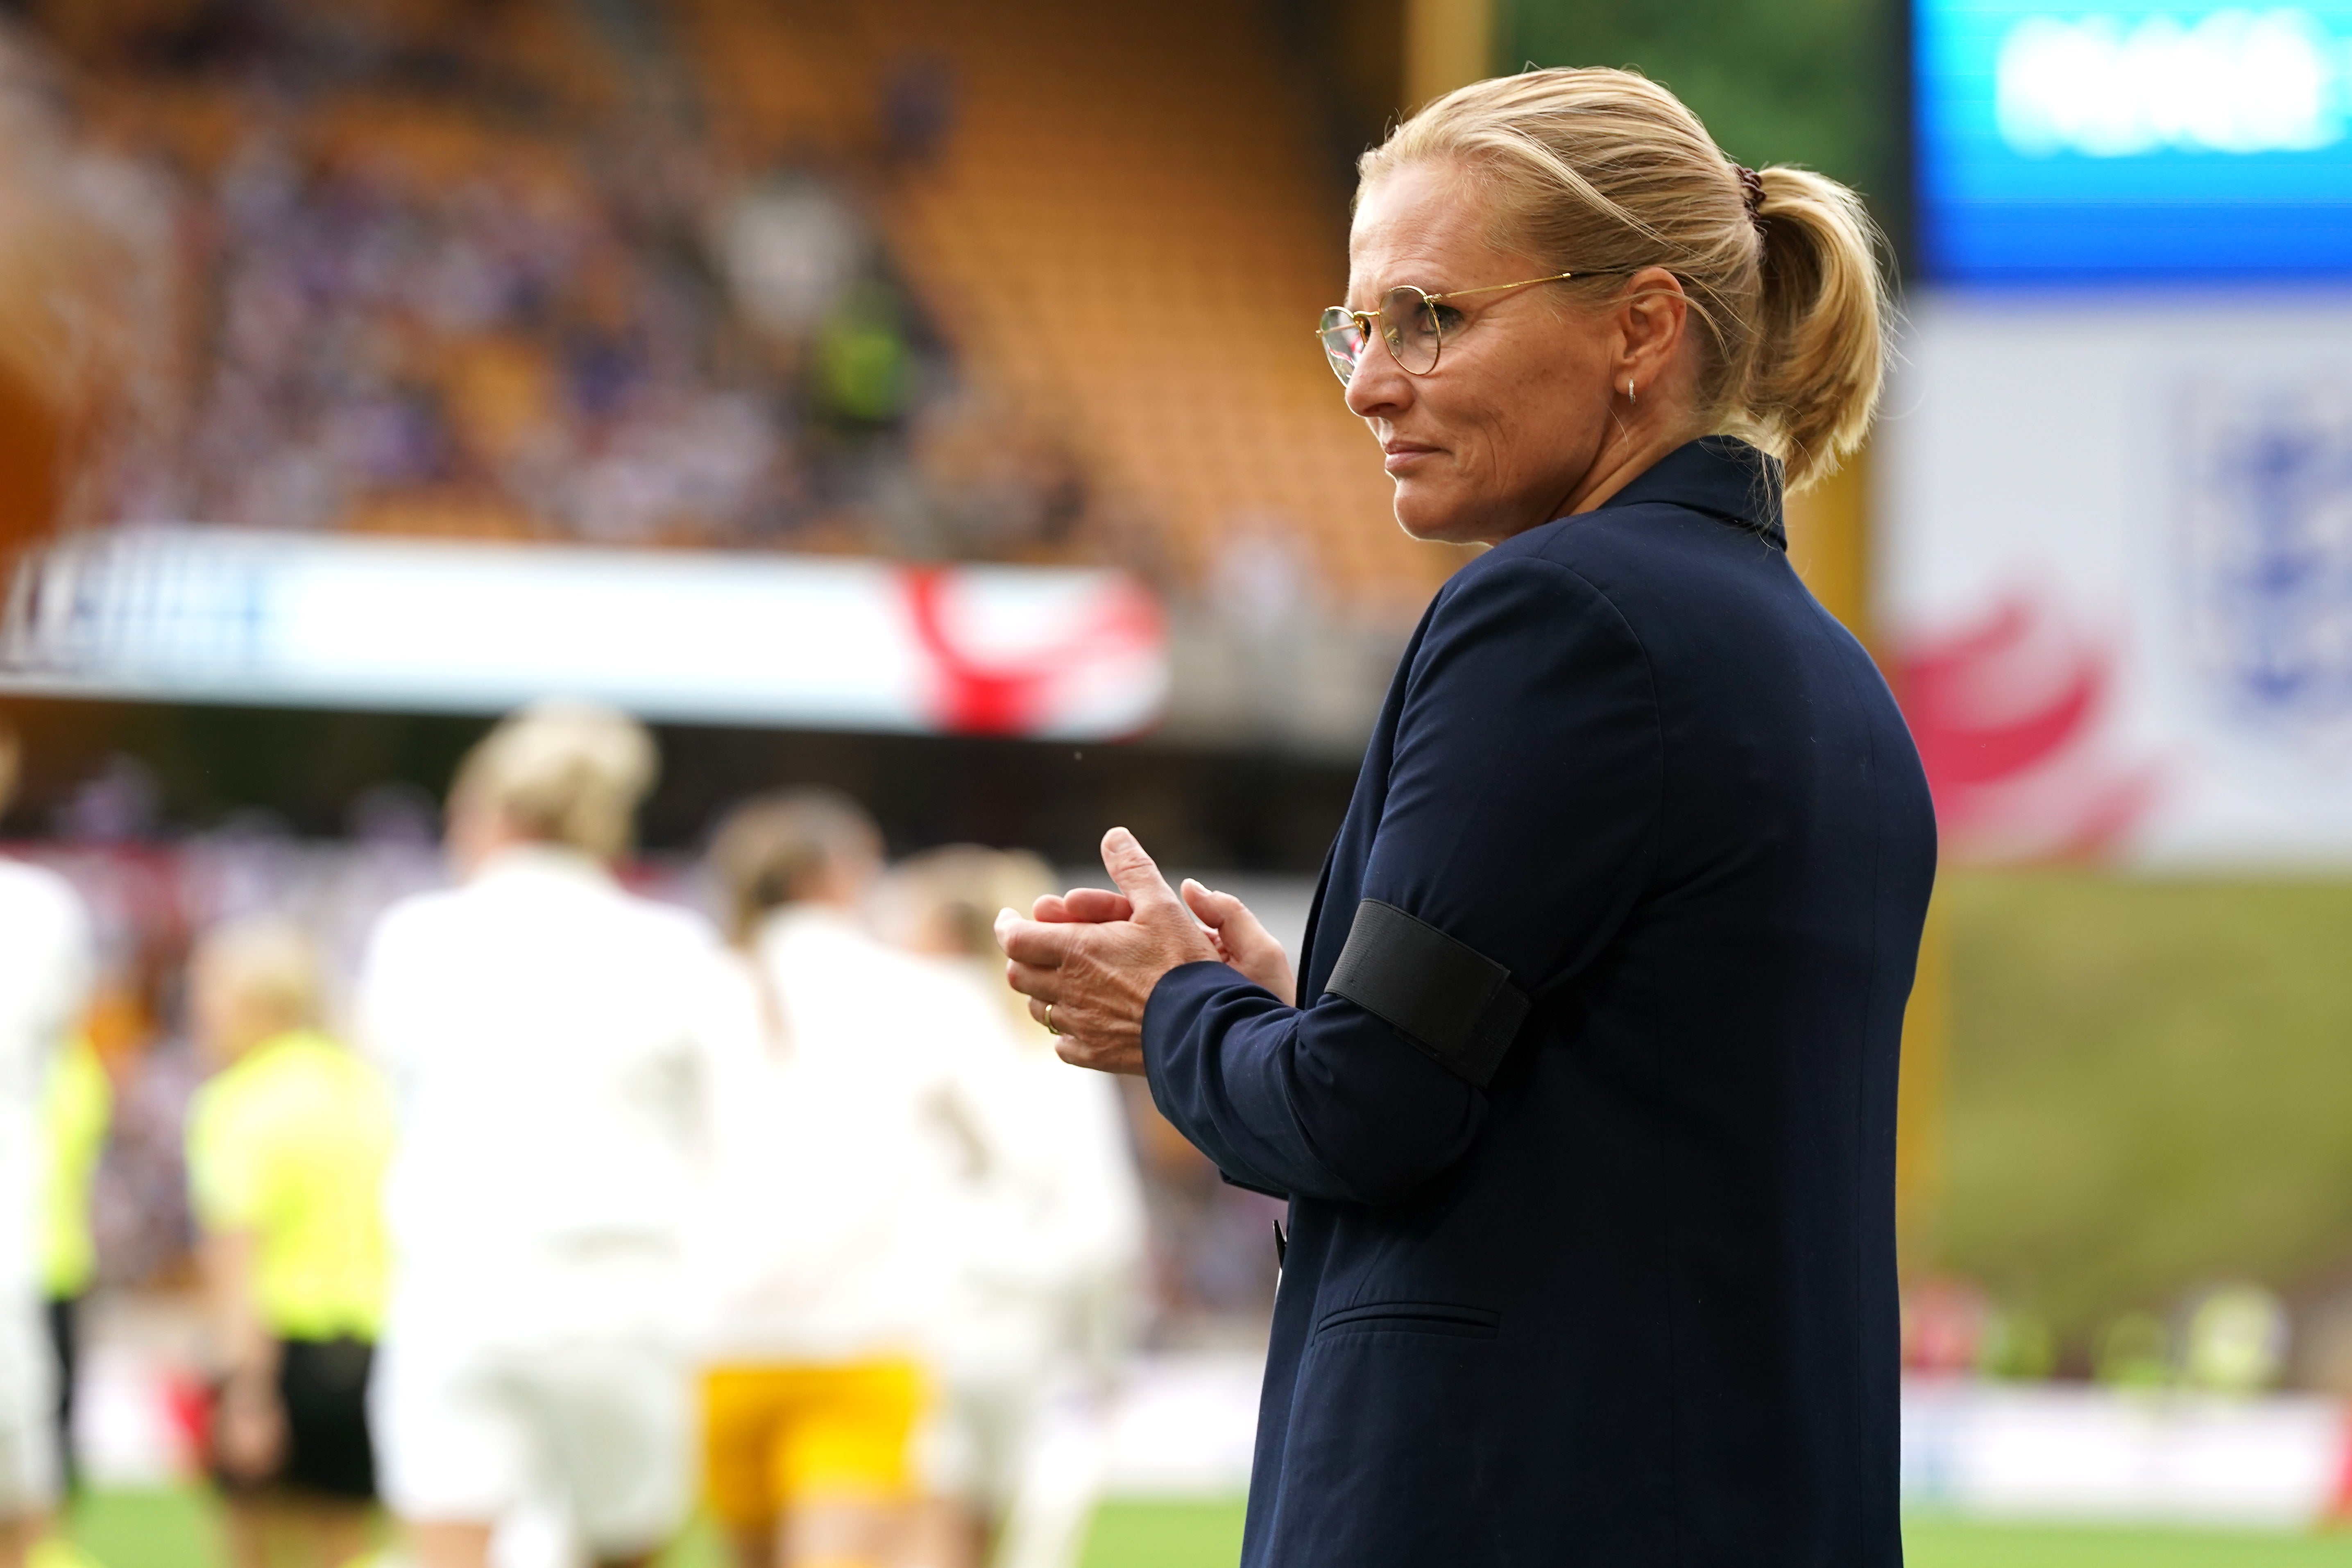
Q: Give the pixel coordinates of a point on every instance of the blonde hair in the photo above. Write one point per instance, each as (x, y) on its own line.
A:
(960, 886)
(1605, 170)
(564, 771)
(777, 848)
(268, 964)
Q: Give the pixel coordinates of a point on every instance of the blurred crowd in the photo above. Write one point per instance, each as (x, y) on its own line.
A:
(2232, 1339)
(548, 1194)
(403, 286)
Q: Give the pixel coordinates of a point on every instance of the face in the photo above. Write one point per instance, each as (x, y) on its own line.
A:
(1525, 413)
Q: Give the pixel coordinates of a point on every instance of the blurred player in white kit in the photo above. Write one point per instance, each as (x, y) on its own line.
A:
(1049, 1285)
(44, 977)
(549, 1040)
(856, 1146)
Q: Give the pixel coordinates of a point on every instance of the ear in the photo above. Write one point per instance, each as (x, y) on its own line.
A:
(1650, 317)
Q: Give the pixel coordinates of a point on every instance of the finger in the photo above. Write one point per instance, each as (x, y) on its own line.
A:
(1082, 906)
(1055, 1018)
(1211, 908)
(1042, 985)
(1032, 941)
(1099, 905)
(1136, 874)
(1229, 917)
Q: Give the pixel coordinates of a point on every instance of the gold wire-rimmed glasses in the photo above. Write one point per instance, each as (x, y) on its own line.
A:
(1412, 323)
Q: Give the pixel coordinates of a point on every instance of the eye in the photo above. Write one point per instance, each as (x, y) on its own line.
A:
(1448, 318)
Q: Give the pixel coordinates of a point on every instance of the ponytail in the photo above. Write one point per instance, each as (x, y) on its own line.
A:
(1820, 322)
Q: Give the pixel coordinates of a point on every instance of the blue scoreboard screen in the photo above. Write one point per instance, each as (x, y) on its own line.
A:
(2116, 144)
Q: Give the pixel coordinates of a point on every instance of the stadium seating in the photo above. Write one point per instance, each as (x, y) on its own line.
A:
(1127, 230)
(1118, 224)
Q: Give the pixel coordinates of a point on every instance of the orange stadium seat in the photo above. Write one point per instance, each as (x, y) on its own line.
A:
(1126, 226)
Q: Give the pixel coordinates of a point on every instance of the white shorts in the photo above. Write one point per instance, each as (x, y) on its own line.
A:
(28, 1446)
(598, 1428)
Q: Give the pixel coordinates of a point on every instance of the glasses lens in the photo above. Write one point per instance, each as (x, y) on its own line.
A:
(1409, 322)
(1343, 342)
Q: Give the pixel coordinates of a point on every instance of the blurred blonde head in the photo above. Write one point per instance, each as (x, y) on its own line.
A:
(1605, 171)
(944, 903)
(563, 773)
(947, 898)
(796, 847)
(250, 980)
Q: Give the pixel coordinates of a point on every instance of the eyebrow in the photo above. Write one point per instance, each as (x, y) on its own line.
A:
(1393, 282)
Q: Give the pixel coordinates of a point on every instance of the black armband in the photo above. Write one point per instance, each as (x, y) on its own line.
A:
(1449, 999)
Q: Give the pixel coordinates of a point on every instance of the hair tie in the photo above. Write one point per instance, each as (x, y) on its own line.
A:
(1751, 186)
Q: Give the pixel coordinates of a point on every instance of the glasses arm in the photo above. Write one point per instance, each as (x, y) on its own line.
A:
(1364, 319)
(1499, 287)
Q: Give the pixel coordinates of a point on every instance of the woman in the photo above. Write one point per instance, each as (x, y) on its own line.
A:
(1045, 1297)
(287, 1148)
(851, 1154)
(550, 1038)
(1585, 1110)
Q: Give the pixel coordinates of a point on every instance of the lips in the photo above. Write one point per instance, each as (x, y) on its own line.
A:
(1404, 455)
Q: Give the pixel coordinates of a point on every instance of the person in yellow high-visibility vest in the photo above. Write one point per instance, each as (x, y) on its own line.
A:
(77, 1108)
(44, 968)
(287, 1145)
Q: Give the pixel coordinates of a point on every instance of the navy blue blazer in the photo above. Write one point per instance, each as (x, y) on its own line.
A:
(1633, 1302)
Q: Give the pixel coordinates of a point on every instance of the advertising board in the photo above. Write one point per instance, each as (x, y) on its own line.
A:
(2098, 141)
(219, 615)
(2114, 576)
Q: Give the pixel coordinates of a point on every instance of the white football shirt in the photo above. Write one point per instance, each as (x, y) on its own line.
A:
(549, 1040)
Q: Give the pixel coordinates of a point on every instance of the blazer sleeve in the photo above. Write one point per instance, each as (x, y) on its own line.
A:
(1521, 818)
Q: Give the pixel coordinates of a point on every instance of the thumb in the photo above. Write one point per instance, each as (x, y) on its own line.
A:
(1221, 912)
(1230, 917)
(1135, 873)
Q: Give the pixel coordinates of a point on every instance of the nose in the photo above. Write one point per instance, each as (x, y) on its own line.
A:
(1379, 389)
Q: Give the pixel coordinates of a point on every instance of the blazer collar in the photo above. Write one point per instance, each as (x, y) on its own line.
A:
(1720, 475)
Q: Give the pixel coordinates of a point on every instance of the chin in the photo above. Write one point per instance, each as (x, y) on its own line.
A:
(1435, 522)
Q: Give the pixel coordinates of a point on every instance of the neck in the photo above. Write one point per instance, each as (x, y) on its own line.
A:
(473, 854)
(1625, 459)
(839, 909)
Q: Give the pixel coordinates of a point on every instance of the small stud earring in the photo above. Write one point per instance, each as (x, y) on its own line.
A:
(1629, 389)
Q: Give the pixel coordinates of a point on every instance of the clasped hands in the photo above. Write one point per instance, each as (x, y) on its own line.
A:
(1089, 958)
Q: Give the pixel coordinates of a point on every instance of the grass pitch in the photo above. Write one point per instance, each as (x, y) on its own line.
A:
(176, 1530)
